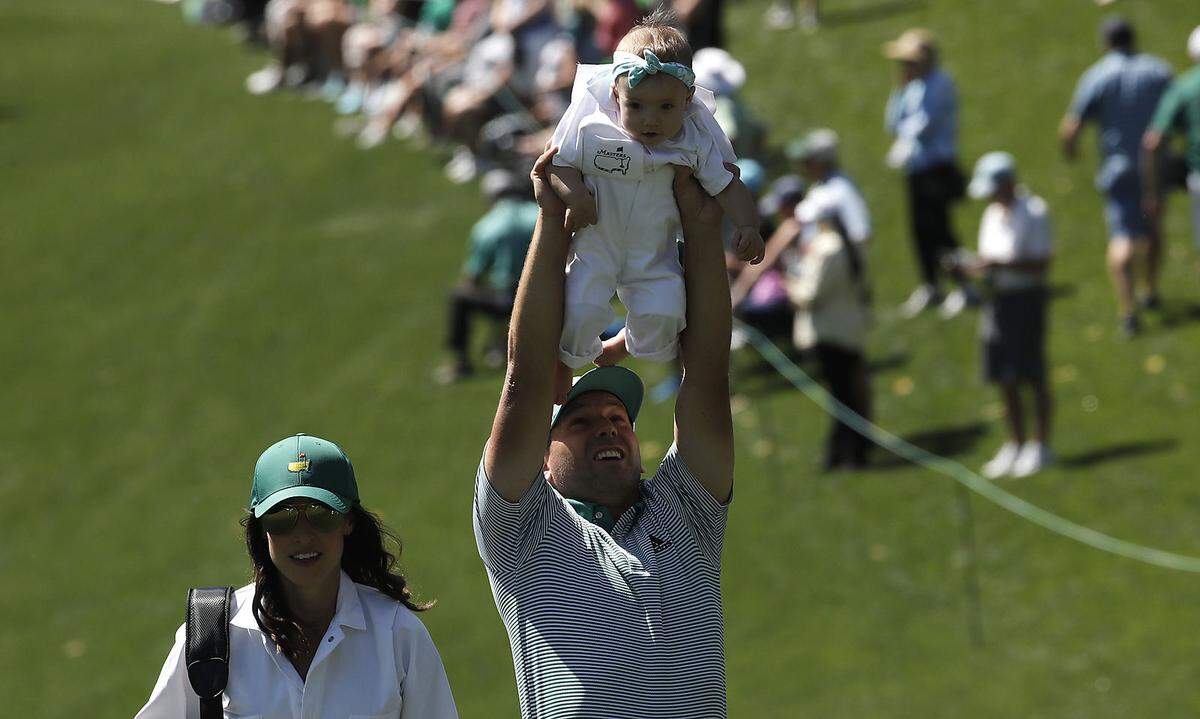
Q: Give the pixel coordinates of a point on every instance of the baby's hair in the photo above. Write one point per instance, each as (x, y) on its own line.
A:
(659, 33)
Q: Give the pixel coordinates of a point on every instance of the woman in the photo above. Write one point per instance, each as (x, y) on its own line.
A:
(832, 298)
(327, 628)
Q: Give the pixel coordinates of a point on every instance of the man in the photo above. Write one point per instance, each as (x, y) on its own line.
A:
(1119, 93)
(922, 114)
(609, 586)
(1179, 111)
(495, 254)
(1014, 256)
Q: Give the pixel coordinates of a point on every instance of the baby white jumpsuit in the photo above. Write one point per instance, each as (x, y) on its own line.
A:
(632, 247)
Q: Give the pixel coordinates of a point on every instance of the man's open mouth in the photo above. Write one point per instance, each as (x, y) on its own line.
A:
(609, 455)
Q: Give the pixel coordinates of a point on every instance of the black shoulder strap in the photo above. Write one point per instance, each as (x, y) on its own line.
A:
(207, 648)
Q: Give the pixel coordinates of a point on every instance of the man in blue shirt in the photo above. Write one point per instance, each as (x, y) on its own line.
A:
(922, 114)
(495, 255)
(1119, 93)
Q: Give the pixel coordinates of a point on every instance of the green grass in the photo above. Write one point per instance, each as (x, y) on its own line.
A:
(191, 273)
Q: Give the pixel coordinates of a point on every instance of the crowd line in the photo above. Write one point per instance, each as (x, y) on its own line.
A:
(491, 79)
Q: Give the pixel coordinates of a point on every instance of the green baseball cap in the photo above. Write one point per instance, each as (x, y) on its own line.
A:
(618, 381)
(303, 466)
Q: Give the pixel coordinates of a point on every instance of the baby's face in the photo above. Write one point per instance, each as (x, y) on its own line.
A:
(654, 110)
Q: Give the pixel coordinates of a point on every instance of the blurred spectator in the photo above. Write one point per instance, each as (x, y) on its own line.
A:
(305, 36)
(816, 154)
(922, 114)
(760, 291)
(721, 72)
(600, 24)
(1119, 93)
(495, 256)
(702, 21)
(1179, 111)
(830, 193)
(1014, 255)
(830, 291)
(781, 15)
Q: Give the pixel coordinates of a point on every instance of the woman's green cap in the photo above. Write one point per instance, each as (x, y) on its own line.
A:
(303, 466)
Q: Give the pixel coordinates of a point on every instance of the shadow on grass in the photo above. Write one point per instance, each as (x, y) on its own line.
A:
(892, 361)
(876, 11)
(1174, 315)
(1123, 450)
(1061, 290)
(949, 441)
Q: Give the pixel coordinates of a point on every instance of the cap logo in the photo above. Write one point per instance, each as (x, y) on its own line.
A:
(301, 466)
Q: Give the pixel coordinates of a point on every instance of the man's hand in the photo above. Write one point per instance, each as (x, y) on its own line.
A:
(748, 244)
(581, 210)
(1068, 136)
(548, 200)
(691, 198)
(1149, 166)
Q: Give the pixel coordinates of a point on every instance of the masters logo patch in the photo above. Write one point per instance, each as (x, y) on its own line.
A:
(612, 161)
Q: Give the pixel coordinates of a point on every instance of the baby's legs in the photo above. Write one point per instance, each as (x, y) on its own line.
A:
(591, 280)
(656, 316)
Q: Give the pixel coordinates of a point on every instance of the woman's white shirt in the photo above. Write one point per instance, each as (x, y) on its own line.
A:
(830, 308)
(375, 660)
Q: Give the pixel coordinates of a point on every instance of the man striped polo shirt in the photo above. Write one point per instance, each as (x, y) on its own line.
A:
(607, 624)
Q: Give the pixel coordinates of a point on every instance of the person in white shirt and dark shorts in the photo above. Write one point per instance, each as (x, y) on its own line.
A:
(1014, 255)
(328, 628)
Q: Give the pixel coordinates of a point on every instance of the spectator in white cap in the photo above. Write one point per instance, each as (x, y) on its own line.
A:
(830, 193)
(1014, 255)
(817, 157)
(1178, 111)
(722, 73)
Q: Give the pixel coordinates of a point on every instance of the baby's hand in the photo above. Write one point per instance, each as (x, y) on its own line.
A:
(581, 211)
(748, 244)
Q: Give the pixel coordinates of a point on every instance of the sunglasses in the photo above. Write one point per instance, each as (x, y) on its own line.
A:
(320, 517)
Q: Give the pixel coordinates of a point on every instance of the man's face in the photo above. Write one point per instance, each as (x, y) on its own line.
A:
(909, 70)
(653, 111)
(813, 170)
(594, 454)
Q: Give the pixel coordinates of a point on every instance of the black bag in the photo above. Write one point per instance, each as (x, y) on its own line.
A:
(206, 650)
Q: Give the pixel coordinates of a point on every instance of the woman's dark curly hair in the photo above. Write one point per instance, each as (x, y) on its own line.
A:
(365, 558)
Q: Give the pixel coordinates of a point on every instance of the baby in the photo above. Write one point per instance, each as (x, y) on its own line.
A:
(627, 124)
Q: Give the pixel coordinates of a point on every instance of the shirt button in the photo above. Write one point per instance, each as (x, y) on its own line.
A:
(599, 515)
(331, 639)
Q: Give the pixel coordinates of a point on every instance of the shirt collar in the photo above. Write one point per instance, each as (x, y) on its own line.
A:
(600, 515)
(349, 612)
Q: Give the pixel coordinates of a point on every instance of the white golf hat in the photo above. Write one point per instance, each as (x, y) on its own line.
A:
(1194, 45)
(991, 169)
(820, 145)
(718, 71)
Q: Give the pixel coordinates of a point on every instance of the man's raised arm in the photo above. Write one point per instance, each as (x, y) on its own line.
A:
(517, 446)
(703, 427)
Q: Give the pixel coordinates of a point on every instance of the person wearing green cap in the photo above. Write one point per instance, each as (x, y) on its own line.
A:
(328, 627)
(609, 585)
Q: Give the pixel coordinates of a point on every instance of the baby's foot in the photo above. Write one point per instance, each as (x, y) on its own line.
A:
(613, 351)
(562, 383)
